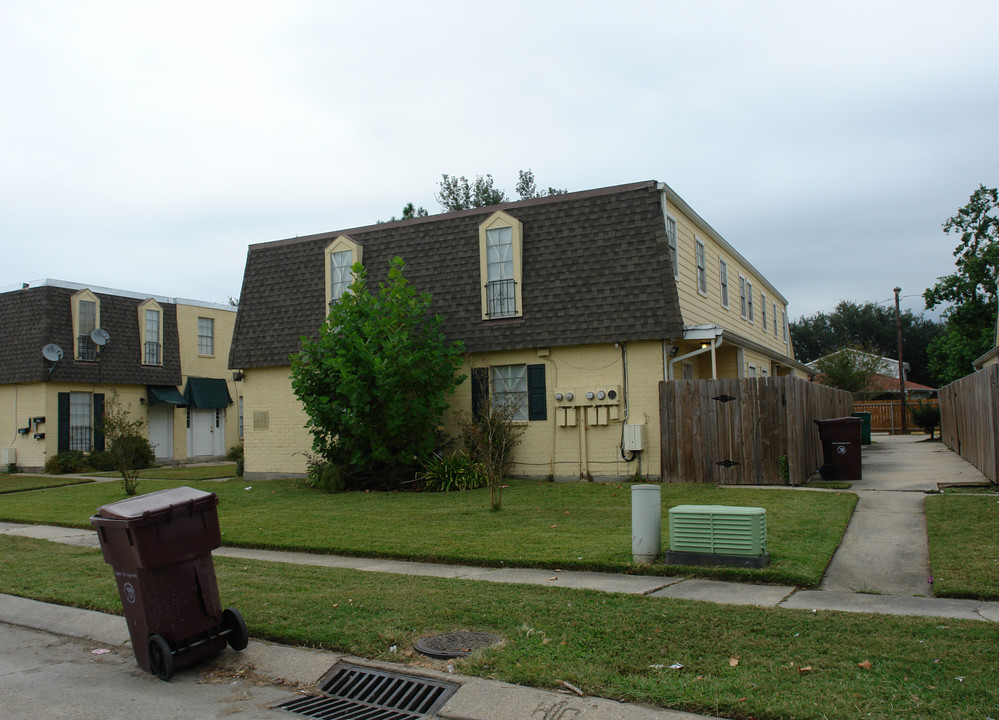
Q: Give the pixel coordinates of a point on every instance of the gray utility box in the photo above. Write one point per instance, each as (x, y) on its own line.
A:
(718, 535)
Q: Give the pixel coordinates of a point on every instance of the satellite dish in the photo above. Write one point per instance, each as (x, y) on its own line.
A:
(52, 352)
(100, 336)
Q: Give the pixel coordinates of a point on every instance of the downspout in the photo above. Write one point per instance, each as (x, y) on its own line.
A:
(715, 344)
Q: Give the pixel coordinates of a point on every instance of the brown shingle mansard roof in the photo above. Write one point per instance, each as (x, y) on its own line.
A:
(36, 316)
(595, 269)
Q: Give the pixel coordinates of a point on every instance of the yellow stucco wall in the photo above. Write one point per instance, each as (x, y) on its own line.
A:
(41, 400)
(276, 442)
(193, 364)
(547, 447)
(25, 402)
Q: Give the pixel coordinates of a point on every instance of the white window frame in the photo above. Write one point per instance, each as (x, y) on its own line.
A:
(508, 386)
(81, 421)
(336, 285)
(700, 262)
(749, 301)
(206, 337)
(83, 346)
(723, 281)
(763, 310)
(151, 334)
(742, 296)
(502, 297)
(674, 255)
(775, 320)
(783, 322)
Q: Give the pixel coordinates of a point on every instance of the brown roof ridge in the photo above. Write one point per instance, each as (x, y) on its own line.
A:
(485, 209)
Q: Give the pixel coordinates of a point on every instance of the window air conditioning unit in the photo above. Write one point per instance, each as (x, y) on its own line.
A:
(718, 535)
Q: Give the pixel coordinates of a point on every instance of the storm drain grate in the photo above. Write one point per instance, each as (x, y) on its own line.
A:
(351, 692)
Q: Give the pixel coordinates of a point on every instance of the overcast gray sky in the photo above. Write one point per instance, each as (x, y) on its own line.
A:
(144, 145)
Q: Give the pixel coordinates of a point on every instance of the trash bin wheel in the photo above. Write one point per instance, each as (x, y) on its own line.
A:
(234, 624)
(160, 657)
(829, 472)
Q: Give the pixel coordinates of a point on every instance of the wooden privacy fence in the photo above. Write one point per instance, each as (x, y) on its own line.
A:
(969, 409)
(886, 415)
(735, 432)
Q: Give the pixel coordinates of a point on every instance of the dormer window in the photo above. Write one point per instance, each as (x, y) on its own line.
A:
(340, 256)
(500, 250)
(86, 319)
(151, 332)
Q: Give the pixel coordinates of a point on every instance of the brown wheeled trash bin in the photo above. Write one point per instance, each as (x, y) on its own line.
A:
(840, 448)
(160, 547)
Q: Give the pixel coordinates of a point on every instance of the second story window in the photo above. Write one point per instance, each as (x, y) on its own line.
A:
(86, 309)
(340, 256)
(749, 300)
(206, 336)
(500, 283)
(723, 280)
(742, 296)
(763, 310)
(671, 241)
(500, 245)
(339, 274)
(702, 271)
(85, 348)
(151, 347)
(151, 332)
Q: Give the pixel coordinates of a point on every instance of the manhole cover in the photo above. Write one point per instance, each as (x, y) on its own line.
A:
(454, 644)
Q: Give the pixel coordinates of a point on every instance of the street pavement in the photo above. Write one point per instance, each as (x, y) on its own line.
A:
(882, 566)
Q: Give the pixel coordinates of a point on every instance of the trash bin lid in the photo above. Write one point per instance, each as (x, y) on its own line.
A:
(839, 421)
(156, 506)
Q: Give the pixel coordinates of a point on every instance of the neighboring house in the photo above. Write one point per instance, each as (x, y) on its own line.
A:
(884, 382)
(886, 386)
(574, 306)
(68, 346)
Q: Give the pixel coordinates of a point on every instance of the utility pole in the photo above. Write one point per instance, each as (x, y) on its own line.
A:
(901, 371)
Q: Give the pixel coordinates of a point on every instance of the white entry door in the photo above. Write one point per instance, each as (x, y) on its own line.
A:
(206, 433)
(161, 430)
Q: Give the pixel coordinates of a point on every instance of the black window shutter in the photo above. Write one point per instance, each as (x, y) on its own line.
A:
(537, 397)
(480, 390)
(98, 421)
(62, 422)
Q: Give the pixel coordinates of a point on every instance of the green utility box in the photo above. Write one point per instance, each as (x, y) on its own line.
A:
(718, 535)
(865, 427)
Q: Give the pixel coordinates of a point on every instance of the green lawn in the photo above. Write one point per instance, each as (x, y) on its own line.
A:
(20, 483)
(563, 525)
(609, 645)
(963, 532)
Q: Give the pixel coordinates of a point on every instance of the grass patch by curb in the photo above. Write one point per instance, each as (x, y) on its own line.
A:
(963, 532)
(610, 645)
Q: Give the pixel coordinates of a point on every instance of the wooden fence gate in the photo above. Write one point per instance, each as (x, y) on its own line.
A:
(736, 431)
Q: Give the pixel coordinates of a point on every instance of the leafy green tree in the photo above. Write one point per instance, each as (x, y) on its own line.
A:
(409, 211)
(374, 384)
(457, 193)
(850, 369)
(970, 291)
(871, 326)
(527, 188)
(128, 447)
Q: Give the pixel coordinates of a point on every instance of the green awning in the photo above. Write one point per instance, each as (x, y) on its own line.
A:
(207, 393)
(164, 394)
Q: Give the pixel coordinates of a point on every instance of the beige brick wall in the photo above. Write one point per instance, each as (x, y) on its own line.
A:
(276, 442)
(547, 448)
(20, 403)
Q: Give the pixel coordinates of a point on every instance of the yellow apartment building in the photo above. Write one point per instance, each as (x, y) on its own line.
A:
(574, 307)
